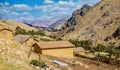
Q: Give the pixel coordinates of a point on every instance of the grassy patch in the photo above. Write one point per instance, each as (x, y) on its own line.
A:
(45, 39)
(37, 63)
(14, 45)
(11, 67)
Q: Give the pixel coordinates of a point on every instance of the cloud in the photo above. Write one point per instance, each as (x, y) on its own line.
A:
(4, 11)
(25, 13)
(15, 13)
(26, 18)
(48, 9)
(48, 1)
(4, 4)
(60, 8)
(21, 7)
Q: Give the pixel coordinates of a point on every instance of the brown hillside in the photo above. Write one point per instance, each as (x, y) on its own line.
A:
(13, 24)
(99, 23)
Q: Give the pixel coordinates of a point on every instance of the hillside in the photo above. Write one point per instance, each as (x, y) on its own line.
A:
(13, 24)
(94, 23)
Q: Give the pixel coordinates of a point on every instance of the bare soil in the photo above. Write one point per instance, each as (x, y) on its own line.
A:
(85, 64)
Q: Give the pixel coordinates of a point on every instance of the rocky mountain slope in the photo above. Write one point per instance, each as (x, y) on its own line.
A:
(96, 23)
(58, 24)
(13, 24)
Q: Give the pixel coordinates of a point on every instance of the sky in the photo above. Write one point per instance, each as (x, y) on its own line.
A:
(40, 9)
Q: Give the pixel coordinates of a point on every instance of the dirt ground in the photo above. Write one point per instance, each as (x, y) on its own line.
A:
(93, 65)
(83, 64)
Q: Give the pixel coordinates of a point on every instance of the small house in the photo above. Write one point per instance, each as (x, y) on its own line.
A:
(24, 39)
(54, 48)
(6, 34)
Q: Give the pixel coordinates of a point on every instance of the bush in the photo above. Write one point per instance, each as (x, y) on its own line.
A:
(100, 48)
(45, 39)
(84, 43)
(87, 47)
(37, 63)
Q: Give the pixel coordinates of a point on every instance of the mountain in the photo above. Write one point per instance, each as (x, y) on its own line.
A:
(93, 23)
(43, 23)
(58, 24)
(13, 24)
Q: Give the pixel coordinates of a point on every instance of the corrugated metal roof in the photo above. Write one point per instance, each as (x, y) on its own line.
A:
(22, 38)
(60, 63)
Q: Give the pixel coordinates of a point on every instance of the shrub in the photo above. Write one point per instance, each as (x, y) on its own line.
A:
(87, 47)
(37, 63)
(45, 39)
(100, 48)
(84, 43)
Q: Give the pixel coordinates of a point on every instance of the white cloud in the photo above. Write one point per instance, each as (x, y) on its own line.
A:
(62, 2)
(60, 8)
(25, 13)
(26, 18)
(48, 1)
(4, 4)
(5, 11)
(15, 13)
(21, 7)
(48, 9)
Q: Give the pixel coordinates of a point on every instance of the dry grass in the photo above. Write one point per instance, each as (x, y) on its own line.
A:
(13, 24)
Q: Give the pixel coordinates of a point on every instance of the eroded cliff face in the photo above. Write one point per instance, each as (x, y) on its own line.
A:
(94, 23)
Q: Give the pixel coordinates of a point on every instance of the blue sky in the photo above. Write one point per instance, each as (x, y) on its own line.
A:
(39, 9)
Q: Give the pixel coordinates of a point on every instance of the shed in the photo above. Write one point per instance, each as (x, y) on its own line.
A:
(54, 48)
(6, 34)
(24, 39)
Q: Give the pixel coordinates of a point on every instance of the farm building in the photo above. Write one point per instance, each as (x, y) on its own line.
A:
(24, 39)
(6, 34)
(54, 48)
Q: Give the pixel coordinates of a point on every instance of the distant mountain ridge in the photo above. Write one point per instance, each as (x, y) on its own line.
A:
(44, 22)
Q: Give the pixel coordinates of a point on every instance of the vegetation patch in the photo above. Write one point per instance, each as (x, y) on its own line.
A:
(84, 43)
(45, 39)
(19, 30)
(100, 48)
(37, 63)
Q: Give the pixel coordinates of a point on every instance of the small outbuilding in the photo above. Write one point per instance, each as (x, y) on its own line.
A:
(6, 34)
(54, 48)
(24, 39)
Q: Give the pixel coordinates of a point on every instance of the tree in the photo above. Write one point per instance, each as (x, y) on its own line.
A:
(17, 30)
